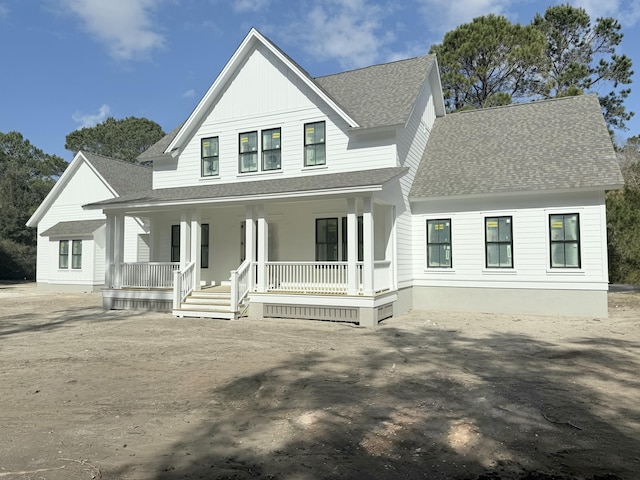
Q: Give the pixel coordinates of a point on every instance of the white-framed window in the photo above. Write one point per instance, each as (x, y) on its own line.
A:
(439, 253)
(564, 240)
(315, 144)
(499, 241)
(75, 252)
(209, 150)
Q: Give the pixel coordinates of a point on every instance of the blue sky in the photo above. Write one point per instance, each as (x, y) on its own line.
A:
(73, 63)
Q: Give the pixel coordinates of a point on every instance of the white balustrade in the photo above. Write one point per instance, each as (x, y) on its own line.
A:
(147, 274)
(307, 277)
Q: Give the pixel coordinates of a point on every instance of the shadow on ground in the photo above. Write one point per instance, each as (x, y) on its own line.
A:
(434, 404)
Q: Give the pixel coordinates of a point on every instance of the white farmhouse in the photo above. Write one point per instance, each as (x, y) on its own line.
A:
(352, 197)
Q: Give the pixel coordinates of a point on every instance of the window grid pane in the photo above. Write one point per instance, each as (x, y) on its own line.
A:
(564, 238)
(63, 254)
(271, 144)
(76, 254)
(499, 242)
(439, 243)
(327, 239)
(314, 144)
(248, 156)
(209, 153)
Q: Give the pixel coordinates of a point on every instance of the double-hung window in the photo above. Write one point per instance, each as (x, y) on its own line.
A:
(499, 242)
(63, 254)
(564, 231)
(314, 144)
(439, 243)
(210, 156)
(248, 157)
(271, 148)
(75, 253)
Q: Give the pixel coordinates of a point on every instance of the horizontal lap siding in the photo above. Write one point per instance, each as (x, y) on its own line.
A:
(530, 244)
(265, 94)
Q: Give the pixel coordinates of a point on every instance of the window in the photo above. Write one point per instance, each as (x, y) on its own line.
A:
(345, 247)
(248, 152)
(63, 254)
(271, 149)
(564, 233)
(76, 254)
(204, 245)
(209, 152)
(175, 243)
(314, 144)
(439, 243)
(327, 240)
(499, 242)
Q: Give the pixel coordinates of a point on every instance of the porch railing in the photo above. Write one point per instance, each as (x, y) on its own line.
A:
(147, 275)
(240, 284)
(183, 284)
(310, 277)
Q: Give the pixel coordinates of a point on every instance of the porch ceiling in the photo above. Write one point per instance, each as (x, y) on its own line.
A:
(323, 184)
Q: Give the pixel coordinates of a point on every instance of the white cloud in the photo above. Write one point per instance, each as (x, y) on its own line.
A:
(91, 120)
(4, 11)
(445, 15)
(124, 26)
(189, 93)
(626, 12)
(349, 31)
(250, 5)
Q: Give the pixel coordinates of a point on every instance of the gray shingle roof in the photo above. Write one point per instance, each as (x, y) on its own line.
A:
(124, 177)
(380, 95)
(278, 186)
(70, 229)
(158, 148)
(545, 145)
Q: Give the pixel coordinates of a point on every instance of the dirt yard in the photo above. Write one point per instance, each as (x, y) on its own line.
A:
(88, 394)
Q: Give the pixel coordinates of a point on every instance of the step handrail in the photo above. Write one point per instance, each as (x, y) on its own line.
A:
(240, 284)
(183, 284)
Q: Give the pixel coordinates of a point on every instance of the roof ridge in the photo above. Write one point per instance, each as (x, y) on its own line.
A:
(84, 153)
(530, 102)
(400, 60)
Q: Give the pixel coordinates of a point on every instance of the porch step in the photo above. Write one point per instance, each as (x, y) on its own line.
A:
(205, 304)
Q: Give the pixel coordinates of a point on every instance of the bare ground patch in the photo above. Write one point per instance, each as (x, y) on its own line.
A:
(128, 395)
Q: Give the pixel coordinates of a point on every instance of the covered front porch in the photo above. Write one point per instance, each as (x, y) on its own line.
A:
(327, 259)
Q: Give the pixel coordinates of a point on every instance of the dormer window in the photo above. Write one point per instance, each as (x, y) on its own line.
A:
(248, 157)
(314, 144)
(210, 157)
(271, 147)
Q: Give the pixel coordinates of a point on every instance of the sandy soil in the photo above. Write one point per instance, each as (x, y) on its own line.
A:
(127, 395)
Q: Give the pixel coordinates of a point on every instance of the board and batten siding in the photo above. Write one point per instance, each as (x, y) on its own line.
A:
(531, 244)
(265, 94)
(412, 141)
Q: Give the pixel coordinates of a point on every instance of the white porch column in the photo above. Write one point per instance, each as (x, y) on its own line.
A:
(367, 245)
(250, 242)
(196, 251)
(109, 251)
(263, 249)
(352, 247)
(185, 240)
(390, 253)
(118, 249)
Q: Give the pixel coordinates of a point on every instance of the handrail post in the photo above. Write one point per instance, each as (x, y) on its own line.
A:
(177, 289)
(234, 290)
